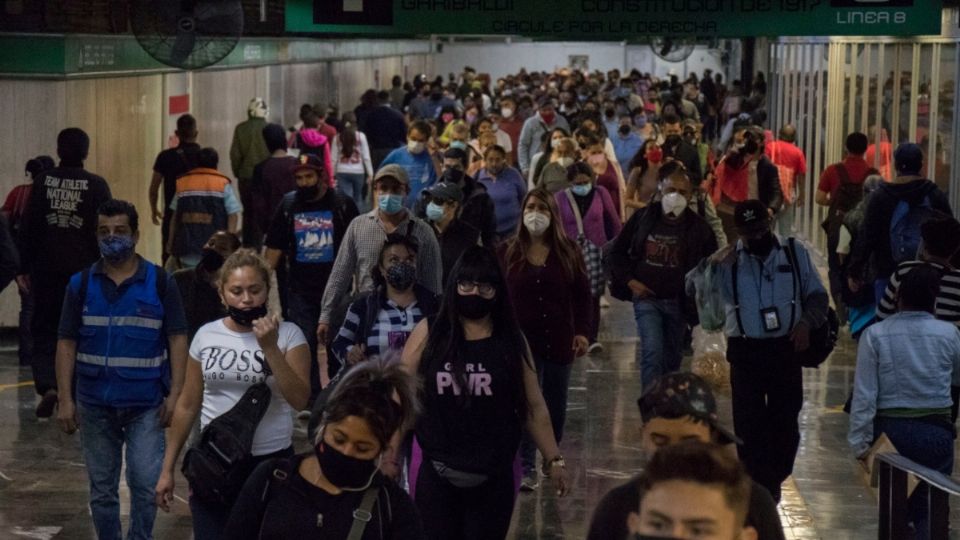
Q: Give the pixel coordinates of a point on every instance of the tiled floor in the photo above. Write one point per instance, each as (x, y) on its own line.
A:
(43, 483)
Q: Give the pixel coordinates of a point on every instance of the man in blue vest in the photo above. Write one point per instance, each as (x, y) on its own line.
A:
(123, 334)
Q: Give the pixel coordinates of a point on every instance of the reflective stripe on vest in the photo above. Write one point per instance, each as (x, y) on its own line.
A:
(121, 361)
(142, 322)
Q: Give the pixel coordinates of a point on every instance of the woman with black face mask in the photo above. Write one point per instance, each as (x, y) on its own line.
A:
(336, 488)
(378, 323)
(479, 390)
(227, 356)
(199, 287)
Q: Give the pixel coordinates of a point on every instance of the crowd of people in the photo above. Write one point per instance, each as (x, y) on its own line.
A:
(443, 254)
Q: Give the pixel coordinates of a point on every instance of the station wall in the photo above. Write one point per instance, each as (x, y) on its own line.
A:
(502, 58)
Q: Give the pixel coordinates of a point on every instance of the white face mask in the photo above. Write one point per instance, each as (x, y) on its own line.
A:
(536, 223)
(506, 113)
(565, 161)
(416, 147)
(674, 204)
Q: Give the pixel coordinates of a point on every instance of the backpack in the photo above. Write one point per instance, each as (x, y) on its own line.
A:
(905, 228)
(847, 196)
(220, 463)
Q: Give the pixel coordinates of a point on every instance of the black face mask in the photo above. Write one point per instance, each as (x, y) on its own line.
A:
(245, 317)
(624, 130)
(672, 140)
(210, 261)
(762, 246)
(308, 193)
(401, 276)
(345, 472)
(454, 176)
(609, 113)
(473, 306)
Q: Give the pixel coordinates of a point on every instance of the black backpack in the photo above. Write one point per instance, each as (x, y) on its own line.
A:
(220, 463)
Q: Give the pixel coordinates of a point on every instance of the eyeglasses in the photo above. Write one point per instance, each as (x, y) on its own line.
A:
(469, 287)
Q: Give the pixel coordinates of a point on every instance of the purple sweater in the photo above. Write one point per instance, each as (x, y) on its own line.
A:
(601, 223)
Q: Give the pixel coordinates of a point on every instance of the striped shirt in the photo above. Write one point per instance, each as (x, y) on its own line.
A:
(360, 249)
(948, 299)
(387, 336)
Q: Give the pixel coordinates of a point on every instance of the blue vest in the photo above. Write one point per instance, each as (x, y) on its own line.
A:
(122, 348)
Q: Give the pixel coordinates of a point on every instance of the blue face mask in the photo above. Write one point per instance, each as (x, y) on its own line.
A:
(581, 190)
(390, 203)
(434, 212)
(458, 144)
(116, 248)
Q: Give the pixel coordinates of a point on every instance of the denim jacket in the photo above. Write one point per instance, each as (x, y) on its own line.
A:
(907, 361)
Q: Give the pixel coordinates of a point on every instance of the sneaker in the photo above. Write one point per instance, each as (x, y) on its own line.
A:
(604, 303)
(595, 347)
(47, 403)
(530, 482)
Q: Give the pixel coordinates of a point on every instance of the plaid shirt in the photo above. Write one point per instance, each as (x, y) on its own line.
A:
(388, 335)
(359, 252)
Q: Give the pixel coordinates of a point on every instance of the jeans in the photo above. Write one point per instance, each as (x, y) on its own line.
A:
(25, 350)
(305, 313)
(478, 513)
(594, 320)
(351, 185)
(767, 387)
(785, 220)
(554, 384)
(660, 327)
(926, 443)
(48, 292)
(103, 433)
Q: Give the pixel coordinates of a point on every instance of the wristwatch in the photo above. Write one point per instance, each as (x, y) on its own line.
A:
(558, 461)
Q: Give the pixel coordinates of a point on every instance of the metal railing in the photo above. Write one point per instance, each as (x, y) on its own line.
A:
(894, 471)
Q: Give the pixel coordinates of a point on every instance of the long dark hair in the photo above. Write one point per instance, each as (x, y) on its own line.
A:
(348, 140)
(555, 237)
(446, 336)
(548, 148)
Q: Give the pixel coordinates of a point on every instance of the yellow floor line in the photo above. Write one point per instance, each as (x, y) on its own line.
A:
(15, 385)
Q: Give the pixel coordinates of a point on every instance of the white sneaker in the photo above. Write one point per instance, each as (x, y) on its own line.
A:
(604, 303)
(530, 482)
(595, 347)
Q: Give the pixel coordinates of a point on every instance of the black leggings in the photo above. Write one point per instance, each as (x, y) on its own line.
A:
(479, 513)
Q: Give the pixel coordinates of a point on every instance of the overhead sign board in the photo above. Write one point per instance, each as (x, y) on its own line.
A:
(615, 20)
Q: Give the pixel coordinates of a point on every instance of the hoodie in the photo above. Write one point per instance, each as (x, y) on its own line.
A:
(873, 250)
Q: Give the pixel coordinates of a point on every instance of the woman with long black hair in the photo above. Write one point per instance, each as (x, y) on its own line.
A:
(480, 390)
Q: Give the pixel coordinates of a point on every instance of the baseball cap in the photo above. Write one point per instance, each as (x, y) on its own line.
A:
(751, 215)
(680, 394)
(446, 191)
(308, 161)
(908, 158)
(394, 171)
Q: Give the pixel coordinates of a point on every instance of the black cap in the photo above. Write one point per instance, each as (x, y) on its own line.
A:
(908, 158)
(684, 394)
(446, 191)
(751, 215)
(308, 161)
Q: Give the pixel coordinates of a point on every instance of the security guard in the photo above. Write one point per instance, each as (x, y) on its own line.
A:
(124, 332)
(770, 305)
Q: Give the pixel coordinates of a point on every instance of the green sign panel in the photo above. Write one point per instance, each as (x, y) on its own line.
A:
(615, 20)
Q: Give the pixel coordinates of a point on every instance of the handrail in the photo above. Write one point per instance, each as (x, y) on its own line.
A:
(894, 470)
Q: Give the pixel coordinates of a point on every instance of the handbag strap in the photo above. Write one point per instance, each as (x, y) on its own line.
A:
(576, 211)
(736, 295)
(795, 271)
(363, 514)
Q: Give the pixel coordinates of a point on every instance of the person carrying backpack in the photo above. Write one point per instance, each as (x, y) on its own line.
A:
(900, 208)
(841, 189)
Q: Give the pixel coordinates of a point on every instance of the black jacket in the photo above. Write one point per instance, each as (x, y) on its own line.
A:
(453, 241)
(476, 210)
(687, 154)
(872, 251)
(627, 249)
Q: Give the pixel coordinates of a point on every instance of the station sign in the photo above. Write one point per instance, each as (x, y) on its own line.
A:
(615, 20)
